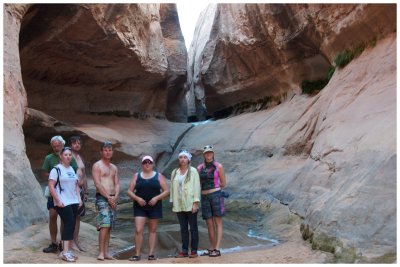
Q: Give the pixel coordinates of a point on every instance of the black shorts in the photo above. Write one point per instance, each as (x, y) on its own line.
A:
(212, 205)
(50, 203)
(148, 212)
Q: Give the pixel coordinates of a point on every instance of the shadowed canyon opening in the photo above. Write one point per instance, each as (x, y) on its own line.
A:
(307, 171)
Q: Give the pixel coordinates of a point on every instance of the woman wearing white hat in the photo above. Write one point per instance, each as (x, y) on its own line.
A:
(147, 188)
(212, 179)
(185, 198)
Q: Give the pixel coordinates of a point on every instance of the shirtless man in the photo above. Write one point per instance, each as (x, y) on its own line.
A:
(75, 143)
(106, 181)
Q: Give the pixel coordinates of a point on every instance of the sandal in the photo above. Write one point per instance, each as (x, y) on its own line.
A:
(151, 258)
(215, 253)
(134, 258)
(207, 252)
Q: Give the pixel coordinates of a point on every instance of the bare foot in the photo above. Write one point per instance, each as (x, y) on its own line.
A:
(100, 258)
(80, 247)
(109, 258)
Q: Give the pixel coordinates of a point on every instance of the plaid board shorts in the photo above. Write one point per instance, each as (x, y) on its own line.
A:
(212, 205)
(105, 215)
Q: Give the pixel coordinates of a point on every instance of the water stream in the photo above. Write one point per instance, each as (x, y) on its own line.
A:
(241, 232)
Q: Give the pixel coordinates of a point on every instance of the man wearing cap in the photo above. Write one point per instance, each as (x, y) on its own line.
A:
(57, 144)
(106, 181)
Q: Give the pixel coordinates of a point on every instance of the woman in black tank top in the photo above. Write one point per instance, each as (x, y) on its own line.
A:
(147, 189)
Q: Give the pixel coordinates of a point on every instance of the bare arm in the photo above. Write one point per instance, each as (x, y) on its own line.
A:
(131, 193)
(164, 193)
(116, 183)
(78, 192)
(222, 177)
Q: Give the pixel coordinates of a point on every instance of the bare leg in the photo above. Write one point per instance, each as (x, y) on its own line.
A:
(107, 243)
(218, 236)
(152, 235)
(102, 242)
(211, 233)
(66, 245)
(139, 229)
(53, 225)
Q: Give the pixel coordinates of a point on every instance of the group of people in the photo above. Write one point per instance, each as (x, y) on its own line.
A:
(190, 189)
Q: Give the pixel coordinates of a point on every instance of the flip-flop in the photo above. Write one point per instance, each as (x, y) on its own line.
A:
(215, 253)
(134, 258)
(206, 253)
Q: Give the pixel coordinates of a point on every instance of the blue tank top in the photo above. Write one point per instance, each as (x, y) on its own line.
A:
(147, 189)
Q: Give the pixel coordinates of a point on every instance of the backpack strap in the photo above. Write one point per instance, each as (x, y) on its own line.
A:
(58, 178)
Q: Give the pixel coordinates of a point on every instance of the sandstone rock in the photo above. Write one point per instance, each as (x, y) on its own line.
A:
(334, 155)
(23, 200)
(252, 56)
(104, 58)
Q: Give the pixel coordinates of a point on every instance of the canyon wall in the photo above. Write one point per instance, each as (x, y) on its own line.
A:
(122, 59)
(259, 54)
(330, 157)
(70, 60)
(23, 201)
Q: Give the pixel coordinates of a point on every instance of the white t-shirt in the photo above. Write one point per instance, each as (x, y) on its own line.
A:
(180, 179)
(68, 180)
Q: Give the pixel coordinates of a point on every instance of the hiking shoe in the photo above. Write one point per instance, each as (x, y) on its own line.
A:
(193, 254)
(66, 256)
(52, 248)
(181, 255)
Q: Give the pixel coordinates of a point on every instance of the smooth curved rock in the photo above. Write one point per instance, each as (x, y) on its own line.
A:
(104, 58)
(23, 200)
(331, 157)
(258, 54)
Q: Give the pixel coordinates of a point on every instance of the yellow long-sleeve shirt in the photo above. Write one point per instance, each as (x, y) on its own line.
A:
(190, 191)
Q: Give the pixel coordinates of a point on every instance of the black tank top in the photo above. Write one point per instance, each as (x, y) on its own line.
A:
(147, 189)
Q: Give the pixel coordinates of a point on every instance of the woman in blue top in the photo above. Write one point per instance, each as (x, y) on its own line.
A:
(64, 188)
(147, 188)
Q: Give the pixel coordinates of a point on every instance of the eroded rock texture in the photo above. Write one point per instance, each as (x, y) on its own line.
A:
(331, 157)
(261, 53)
(104, 58)
(23, 201)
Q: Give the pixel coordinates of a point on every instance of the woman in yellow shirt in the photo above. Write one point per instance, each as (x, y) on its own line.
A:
(185, 198)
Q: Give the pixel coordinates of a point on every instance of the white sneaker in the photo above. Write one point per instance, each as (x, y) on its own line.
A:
(67, 257)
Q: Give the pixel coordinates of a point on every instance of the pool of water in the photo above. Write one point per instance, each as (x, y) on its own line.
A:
(242, 232)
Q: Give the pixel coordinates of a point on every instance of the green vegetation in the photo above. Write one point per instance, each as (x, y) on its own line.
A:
(310, 87)
(344, 58)
(341, 60)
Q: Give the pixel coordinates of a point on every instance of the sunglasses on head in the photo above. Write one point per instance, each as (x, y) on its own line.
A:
(65, 148)
(147, 162)
(208, 147)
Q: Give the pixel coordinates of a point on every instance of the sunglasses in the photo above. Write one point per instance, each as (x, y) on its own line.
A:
(66, 148)
(208, 147)
(147, 162)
